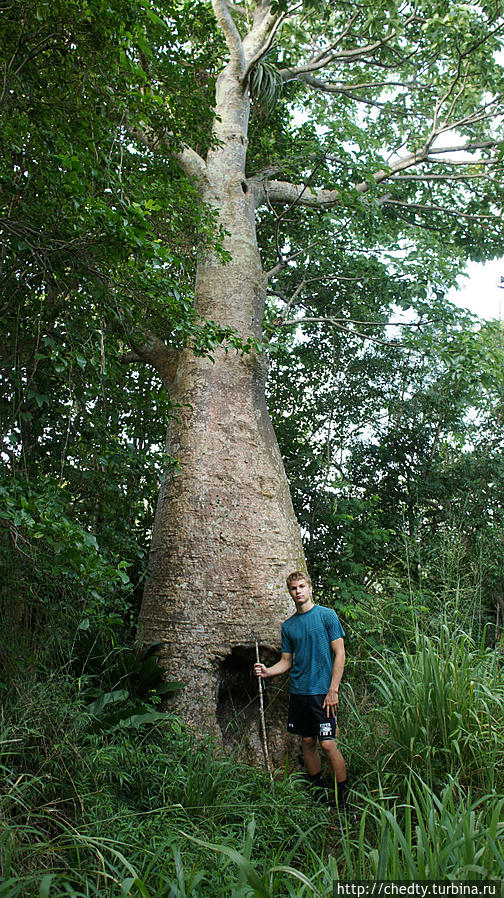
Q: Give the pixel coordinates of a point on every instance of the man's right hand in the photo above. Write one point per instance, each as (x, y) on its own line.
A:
(260, 670)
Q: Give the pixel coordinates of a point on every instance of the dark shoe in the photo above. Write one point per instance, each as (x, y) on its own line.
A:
(339, 801)
(317, 788)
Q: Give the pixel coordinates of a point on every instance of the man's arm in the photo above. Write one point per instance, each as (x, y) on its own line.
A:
(280, 667)
(332, 699)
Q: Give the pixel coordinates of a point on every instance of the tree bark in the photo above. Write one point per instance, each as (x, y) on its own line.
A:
(225, 535)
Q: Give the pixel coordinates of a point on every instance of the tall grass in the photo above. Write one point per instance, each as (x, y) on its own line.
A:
(441, 712)
(148, 812)
(427, 836)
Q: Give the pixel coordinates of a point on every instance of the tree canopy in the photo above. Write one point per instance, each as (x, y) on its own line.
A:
(375, 154)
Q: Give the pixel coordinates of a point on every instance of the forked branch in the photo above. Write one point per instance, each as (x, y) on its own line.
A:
(303, 195)
(232, 35)
(236, 10)
(261, 37)
(333, 53)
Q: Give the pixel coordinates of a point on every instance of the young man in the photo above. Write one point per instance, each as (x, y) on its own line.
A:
(314, 651)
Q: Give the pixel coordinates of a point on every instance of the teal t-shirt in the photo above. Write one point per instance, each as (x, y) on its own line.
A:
(308, 638)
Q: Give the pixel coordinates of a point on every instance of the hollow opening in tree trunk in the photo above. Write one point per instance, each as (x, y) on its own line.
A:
(238, 693)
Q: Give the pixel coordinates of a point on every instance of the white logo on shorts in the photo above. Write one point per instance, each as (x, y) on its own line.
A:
(325, 729)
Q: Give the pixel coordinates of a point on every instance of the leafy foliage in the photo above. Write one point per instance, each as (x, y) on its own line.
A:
(98, 244)
(392, 439)
(394, 461)
(156, 813)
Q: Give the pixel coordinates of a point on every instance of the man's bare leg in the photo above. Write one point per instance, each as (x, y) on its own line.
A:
(311, 756)
(335, 758)
(338, 768)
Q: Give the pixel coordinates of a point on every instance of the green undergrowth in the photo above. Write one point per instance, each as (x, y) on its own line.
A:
(132, 808)
(436, 707)
(104, 794)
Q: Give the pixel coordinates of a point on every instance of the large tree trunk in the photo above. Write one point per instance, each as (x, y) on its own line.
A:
(225, 534)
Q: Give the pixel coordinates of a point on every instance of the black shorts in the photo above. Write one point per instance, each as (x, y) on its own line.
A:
(307, 717)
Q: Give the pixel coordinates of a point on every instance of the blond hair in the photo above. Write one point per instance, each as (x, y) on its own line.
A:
(298, 575)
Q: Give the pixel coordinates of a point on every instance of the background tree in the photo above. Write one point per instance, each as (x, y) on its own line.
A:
(394, 471)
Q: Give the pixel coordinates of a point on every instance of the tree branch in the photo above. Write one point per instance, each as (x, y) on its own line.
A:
(189, 160)
(261, 37)
(332, 88)
(337, 323)
(424, 208)
(191, 163)
(332, 54)
(320, 55)
(236, 10)
(465, 148)
(147, 349)
(231, 34)
(426, 178)
(299, 194)
(302, 195)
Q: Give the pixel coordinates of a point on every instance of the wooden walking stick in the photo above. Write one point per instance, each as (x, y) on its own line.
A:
(263, 721)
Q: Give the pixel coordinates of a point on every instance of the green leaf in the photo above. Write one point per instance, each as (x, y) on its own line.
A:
(105, 699)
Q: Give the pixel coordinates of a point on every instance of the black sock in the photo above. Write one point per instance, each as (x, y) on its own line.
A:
(342, 789)
(316, 787)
